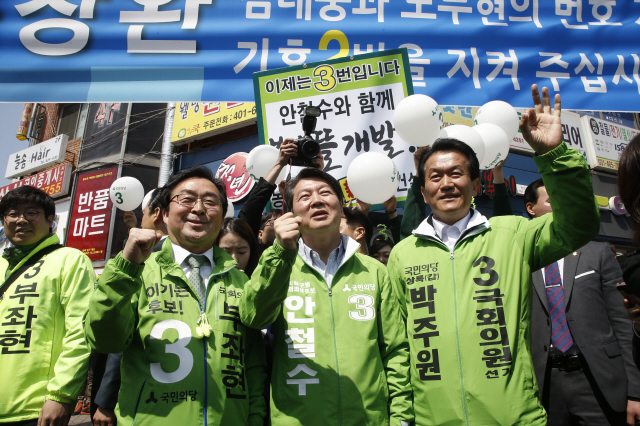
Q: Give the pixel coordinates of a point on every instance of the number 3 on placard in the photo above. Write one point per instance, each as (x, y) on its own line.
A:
(364, 304)
(178, 348)
(118, 198)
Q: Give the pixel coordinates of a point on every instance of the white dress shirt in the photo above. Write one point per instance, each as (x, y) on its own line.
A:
(333, 263)
(450, 234)
(180, 256)
(561, 270)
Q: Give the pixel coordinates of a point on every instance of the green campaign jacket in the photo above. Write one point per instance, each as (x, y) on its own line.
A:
(468, 310)
(340, 353)
(170, 375)
(43, 352)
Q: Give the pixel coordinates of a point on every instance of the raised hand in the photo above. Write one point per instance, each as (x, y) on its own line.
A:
(287, 229)
(140, 244)
(540, 125)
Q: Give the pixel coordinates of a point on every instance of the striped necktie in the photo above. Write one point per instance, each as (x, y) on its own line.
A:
(195, 279)
(560, 335)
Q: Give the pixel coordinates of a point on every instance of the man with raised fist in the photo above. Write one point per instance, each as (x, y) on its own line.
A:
(187, 358)
(340, 352)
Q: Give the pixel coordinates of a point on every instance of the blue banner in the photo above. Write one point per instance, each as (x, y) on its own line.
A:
(462, 52)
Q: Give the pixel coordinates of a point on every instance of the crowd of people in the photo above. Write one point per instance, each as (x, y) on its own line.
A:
(311, 315)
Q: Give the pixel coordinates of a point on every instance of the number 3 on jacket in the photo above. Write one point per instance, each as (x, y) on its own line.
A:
(179, 347)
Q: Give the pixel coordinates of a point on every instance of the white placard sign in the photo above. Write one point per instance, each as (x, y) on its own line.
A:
(606, 141)
(37, 157)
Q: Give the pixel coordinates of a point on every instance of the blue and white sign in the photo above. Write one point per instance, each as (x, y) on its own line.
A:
(462, 52)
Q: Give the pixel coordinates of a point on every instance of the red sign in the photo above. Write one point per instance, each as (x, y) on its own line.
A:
(233, 172)
(54, 182)
(91, 213)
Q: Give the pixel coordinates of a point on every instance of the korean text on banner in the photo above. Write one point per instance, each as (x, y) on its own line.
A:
(91, 214)
(195, 120)
(54, 181)
(462, 52)
(357, 97)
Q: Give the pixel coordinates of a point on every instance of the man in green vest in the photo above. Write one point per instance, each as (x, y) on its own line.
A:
(187, 358)
(46, 290)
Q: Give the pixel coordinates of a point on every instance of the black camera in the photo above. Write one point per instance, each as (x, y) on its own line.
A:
(308, 148)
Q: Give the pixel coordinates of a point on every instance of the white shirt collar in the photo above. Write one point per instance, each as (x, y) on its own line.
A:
(180, 254)
(441, 227)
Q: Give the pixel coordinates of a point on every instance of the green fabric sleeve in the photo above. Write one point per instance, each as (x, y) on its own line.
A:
(575, 219)
(501, 201)
(70, 370)
(112, 316)
(255, 364)
(414, 209)
(265, 292)
(394, 351)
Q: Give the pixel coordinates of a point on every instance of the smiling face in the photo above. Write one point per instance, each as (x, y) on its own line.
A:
(315, 202)
(22, 232)
(448, 186)
(194, 228)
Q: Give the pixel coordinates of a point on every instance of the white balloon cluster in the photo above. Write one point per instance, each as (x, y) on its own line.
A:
(418, 121)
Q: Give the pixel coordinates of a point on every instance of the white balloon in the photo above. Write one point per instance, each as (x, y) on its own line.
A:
(467, 135)
(496, 144)
(261, 159)
(501, 114)
(373, 177)
(146, 199)
(126, 193)
(230, 211)
(418, 120)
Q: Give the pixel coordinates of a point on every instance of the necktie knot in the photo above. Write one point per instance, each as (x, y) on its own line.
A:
(196, 261)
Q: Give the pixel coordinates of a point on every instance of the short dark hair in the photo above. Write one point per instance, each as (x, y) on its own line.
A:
(357, 218)
(268, 215)
(310, 173)
(378, 243)
(531, 194)
(629, 182)
(155, 202)
(448, 145)
(27, 195)
(241, 228)
(194, 172)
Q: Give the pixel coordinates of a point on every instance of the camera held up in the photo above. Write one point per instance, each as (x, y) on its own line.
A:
(308, 148)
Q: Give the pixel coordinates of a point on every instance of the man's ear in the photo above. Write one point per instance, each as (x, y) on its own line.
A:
(529, 208)
(260, 233)
(476, 184)
(359, 232)
(424, 195)
(157, 215)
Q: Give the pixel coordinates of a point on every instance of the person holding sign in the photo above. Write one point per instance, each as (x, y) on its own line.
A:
(340, 351)
(43, 297)
(187, 358)
(464, 282)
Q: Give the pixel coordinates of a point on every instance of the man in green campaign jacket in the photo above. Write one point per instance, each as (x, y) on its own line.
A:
(340, 351)
(187, 359)
(43, 357)
(464, 282)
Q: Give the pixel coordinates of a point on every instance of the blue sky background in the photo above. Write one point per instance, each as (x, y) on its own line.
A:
(9, 120)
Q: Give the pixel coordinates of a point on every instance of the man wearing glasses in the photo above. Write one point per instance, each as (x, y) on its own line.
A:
(44, 294)
(187, 358)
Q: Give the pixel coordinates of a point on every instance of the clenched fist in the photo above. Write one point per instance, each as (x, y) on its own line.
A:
(287, 229)
(140, 244)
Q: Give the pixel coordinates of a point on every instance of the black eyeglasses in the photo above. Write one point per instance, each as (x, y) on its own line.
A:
(270, 222)
(30, 215)
(186, 200)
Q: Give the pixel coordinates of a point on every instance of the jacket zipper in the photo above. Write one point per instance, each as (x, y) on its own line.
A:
(335, 354)
(204, 353)
(455, 311)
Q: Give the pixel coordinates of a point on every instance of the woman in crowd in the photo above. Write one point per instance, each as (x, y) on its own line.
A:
(237, 239)
(381, 245)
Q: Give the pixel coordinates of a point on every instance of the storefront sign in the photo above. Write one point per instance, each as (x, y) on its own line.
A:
(607, 141)
(91, 213)
(37, 157)
(233, 172)
(357, 97)
(195, 120)
(54, 182)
